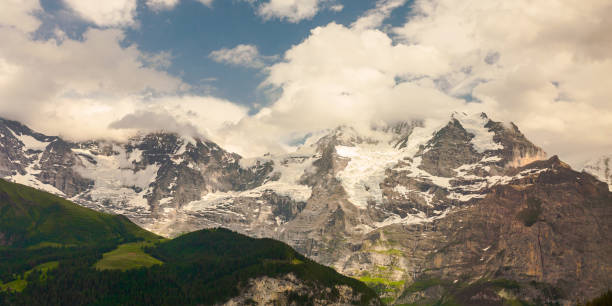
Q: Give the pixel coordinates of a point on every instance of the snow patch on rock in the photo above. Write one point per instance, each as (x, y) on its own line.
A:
(30, 179)
(475, 124)
(365, 171)
(116, 178)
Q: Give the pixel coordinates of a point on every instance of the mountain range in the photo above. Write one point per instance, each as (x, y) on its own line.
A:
(468, 210)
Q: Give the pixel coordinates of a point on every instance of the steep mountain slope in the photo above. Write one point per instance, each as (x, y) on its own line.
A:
(29, 217)
(377, 203)
(205, 267)
(601, 168)
(546, 231)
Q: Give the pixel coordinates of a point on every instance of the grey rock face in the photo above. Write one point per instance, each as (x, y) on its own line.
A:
(561, 250)
(449, 148)
(57, 165)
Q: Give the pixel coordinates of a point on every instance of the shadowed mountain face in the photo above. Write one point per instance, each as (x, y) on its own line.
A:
(422, 212)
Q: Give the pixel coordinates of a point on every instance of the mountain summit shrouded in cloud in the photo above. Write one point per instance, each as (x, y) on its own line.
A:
(305, 66)
(470, 206)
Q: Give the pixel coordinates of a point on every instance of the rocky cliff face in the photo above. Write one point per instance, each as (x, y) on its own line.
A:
(545, 230)
(289, 290)
(40, 161)
(467, 209)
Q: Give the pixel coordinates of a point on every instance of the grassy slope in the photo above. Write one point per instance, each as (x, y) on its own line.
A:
(33, 218)
(20, 282)
(127, 256)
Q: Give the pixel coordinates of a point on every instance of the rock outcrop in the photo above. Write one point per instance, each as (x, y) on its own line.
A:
(289, 290)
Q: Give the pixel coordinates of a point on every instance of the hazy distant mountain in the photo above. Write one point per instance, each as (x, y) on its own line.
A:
(422, 212)
(601, 168)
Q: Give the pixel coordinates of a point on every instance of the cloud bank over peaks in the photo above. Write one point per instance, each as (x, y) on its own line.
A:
(544, 65)
(342, 75)
(98, 86)
(540, 64)
(188, 115)
(78, 88)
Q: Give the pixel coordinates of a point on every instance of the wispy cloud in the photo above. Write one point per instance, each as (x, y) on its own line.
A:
(295, 11)
(160, 5)
(242, 55)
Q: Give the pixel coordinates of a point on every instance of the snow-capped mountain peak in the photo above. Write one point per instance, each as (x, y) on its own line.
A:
(334, 199)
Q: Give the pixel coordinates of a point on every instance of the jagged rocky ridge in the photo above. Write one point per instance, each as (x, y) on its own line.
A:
(393, 205)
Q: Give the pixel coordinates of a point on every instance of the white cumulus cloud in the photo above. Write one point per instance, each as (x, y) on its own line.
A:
(78, 88)
(19, 14)
(105, 13)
